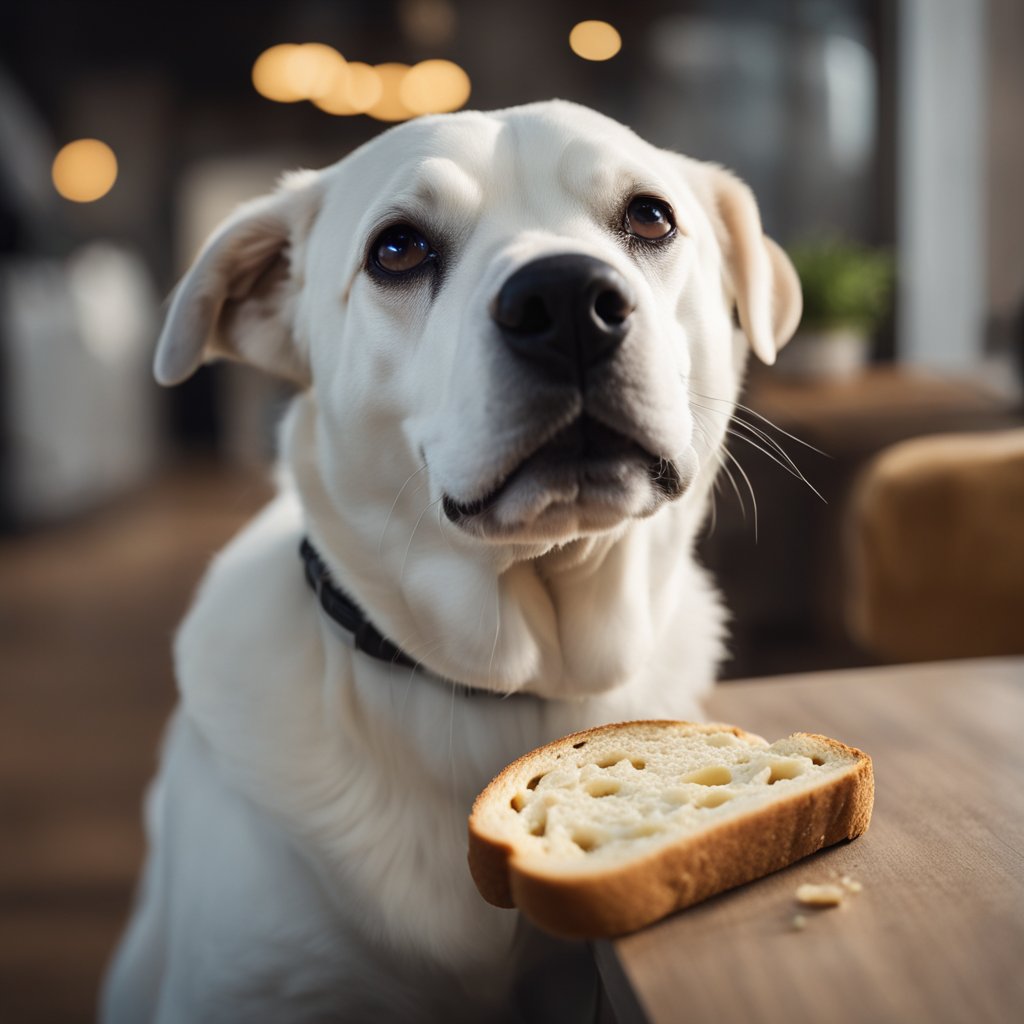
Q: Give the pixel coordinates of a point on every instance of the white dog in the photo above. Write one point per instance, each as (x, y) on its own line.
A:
(498, 322)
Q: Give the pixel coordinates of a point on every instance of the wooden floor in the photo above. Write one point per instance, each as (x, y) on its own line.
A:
(87, 612)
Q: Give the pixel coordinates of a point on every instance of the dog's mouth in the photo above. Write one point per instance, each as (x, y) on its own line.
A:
(588, 467)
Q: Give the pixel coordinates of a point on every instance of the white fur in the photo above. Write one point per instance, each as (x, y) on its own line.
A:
(308, 823)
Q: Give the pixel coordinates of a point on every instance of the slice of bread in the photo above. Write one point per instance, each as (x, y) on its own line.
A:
(608, 830)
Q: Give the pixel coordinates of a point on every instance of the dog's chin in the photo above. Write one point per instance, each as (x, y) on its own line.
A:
(588, 479)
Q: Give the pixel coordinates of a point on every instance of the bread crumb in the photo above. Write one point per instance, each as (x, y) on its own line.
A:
(850, 884)
(799, 922)
(826, 895)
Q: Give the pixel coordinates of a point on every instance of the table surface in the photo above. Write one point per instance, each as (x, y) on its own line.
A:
(936, 934)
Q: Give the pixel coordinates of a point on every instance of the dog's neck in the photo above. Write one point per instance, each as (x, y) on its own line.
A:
(567, 622)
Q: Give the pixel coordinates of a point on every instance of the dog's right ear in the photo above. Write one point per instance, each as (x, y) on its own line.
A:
(238, 298)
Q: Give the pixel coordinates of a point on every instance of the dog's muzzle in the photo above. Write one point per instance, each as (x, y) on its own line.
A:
(564, 318)
(564, 314)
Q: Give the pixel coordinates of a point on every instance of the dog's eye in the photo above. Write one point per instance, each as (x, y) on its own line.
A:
(649, 218)
(401, 248)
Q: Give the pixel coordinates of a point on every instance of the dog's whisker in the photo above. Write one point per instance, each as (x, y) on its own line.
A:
(769, 446)
(719, 456)
(785, 433)
(391, 511)
(705, 437)
(716, 453)
(733, 405)
(412, 535)
(497, 630)
(750, 487)
(769, 441)
(451, 759)
(440, 528)
(764, 436)
(792, 472)
(713, 496)
(735, 487)
(407, 690)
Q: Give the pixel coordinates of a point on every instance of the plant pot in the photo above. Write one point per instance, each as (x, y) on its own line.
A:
(831, 353)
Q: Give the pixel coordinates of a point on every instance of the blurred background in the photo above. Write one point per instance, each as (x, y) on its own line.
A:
(874, 502)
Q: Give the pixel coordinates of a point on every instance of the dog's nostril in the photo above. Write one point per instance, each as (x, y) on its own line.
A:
(612, 307)
(534, 316)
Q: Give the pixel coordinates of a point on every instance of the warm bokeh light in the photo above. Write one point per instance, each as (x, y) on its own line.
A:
(354, 91)
(270, 74)
(314, 69)
(390, 106)
(364, 86)
(595, 40)
(290, 72)
(84, 170)
(434, 87)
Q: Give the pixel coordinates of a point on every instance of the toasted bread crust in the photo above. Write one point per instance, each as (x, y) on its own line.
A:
(600, 904)
(488, 859)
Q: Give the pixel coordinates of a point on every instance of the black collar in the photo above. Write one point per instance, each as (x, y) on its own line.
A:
(347, 614)
(344, 611)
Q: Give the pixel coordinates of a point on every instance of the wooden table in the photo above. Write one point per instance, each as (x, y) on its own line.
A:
(937, 933)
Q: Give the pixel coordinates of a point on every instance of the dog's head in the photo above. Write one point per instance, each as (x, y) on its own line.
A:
(520, 304)
(517, 335)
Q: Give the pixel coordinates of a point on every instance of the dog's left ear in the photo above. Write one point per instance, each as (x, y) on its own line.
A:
(764, 282)
(238, 298)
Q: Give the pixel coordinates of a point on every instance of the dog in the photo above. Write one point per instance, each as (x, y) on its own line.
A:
(496, 468)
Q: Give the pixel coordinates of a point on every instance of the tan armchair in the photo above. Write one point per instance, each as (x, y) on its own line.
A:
(936, 549)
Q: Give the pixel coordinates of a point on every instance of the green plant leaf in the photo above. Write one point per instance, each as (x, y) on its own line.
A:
(844, 284)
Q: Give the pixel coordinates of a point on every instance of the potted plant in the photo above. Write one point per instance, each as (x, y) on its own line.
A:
(847, 291)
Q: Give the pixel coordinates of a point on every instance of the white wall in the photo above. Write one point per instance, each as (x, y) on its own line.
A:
(941, 182)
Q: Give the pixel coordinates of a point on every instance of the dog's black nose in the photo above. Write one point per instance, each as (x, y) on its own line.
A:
(564, 313)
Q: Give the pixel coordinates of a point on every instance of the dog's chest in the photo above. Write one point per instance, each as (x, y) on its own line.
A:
(371, 770)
